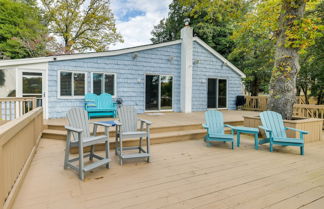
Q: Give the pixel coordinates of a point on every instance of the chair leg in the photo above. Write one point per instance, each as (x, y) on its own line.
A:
(148, 142)
(232, 144)
(120, 150)
(116, 140)
(107, 153)
(91, 152)
(302, 150)
(140, 145)
(81, 173)
(67, 151)
(271, 148)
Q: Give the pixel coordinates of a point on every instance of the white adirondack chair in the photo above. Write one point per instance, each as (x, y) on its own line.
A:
(78, 135)
(126, 127)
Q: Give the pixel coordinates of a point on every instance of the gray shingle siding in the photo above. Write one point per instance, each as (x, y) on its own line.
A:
(130, 76)
(210, 66)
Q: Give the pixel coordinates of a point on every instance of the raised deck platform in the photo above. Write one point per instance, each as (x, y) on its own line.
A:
(182, 175)
(166, 127)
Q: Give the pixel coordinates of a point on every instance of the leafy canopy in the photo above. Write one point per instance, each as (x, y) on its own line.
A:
(212, 20)
(22, 32)
(82, 25)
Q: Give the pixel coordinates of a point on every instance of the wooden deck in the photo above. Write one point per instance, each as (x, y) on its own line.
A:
(184, 175)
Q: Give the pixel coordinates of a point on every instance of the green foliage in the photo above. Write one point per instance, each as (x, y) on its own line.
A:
(22, 33)
(212, 21)
(82, 25)
(311, 75)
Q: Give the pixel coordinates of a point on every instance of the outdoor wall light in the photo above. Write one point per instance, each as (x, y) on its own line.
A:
(134, 56)
(202, 81)
(139, 80)
(196, 62)
(170, 59)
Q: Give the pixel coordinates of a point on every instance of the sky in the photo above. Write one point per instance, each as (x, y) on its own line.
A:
(135, 19)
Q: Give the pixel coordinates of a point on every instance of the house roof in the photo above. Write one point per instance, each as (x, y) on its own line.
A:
(37, 60)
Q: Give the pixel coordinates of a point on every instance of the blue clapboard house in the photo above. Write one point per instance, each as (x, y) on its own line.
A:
(183, 76)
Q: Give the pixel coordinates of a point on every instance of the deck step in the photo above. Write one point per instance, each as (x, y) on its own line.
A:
(96, 164)
(163, 135)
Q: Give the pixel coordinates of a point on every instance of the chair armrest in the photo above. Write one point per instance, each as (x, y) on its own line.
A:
(118, 123)
(101, 124)
(205, 126)
(300, 131)
(77, 130)
(145, 121)
(229, 126)
(266, 129)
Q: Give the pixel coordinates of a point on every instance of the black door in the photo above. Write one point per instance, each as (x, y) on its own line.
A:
(152, 92)
(212, 93)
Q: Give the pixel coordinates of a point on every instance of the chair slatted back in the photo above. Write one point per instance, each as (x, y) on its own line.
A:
(273, 121)
(78, 118)
(91, 101)
(215, 121)
(105, 101)
(128, 117)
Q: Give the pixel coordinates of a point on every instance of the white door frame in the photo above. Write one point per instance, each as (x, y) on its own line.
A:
(159, 104)
(19, 87)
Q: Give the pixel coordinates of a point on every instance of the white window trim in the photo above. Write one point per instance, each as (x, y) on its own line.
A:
(218, 78)
(59, 85)
(159, 110)
(105, 73)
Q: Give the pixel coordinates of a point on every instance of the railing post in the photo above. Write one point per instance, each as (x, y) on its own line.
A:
(2, 196)
(34, 102)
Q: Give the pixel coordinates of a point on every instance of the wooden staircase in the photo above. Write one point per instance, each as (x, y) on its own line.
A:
(158, 134)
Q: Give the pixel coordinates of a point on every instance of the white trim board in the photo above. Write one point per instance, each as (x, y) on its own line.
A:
(219, 56)
(15, 62)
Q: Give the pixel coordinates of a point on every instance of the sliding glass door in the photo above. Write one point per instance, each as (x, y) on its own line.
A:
(158, 92)
(217, 93)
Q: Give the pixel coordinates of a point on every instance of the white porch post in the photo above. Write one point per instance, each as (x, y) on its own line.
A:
(186, 69)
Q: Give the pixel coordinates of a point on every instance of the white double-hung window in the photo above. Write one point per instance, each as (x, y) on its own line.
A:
(104, 83)
(72, 84)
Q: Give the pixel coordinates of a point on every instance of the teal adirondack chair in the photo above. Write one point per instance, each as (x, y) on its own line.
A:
(215, 128)
(273, 125)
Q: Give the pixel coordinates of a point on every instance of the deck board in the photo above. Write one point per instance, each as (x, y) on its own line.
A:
(181, 175)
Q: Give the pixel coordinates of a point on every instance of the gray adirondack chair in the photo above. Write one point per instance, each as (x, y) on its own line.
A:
(126, 127)
(78, 135)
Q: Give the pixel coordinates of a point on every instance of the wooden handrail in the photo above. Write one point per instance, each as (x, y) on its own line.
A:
(309, 111)
(14, 107)
(18, 142)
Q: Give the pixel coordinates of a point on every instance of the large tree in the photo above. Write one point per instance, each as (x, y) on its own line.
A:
(81, 25)
(22, 32)
(254, 46)
(291, 39)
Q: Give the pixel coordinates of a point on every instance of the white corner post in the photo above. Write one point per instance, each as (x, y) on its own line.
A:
(186, 69)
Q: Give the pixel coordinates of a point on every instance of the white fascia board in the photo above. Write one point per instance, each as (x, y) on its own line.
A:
(15, 62)
(219, 56)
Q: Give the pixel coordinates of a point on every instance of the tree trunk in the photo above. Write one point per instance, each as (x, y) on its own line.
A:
(286, 67)
(320, 97)
(305, 90)
(255, 86)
